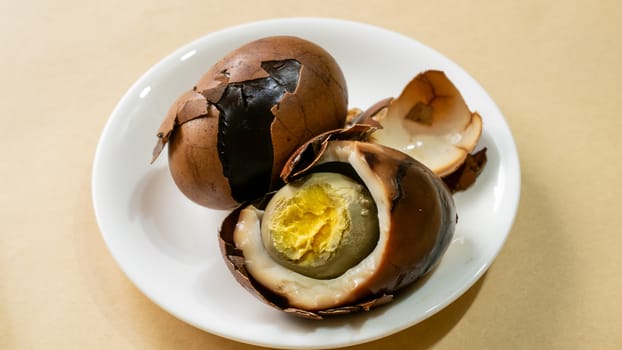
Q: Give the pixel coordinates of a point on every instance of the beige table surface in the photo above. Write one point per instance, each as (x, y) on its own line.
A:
(553, 67)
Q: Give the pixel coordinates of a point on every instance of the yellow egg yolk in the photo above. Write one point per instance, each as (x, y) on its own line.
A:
(309, 227)
(320, 225)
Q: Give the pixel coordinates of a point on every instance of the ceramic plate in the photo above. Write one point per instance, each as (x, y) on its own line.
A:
(168, 246)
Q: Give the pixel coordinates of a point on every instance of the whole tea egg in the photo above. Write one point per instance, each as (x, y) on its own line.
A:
(356, 223)
(229, 137)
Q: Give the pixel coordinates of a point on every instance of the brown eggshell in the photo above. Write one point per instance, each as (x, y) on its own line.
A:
(464, 177)
(417, 218)
(308, 154)
(248, 113)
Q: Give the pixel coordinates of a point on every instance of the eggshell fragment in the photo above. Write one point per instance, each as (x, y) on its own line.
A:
(430, 121)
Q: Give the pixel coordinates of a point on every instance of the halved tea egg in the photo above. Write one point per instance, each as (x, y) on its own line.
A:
(359, 223)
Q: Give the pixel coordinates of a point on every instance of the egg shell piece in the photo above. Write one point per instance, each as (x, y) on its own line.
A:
(430, 121)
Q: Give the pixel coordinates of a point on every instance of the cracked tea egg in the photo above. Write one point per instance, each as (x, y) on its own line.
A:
(229, 136)
(358, 224)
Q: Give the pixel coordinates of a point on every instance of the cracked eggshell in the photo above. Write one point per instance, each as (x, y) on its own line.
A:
(430, 121)
(232, 133)
(417, 219)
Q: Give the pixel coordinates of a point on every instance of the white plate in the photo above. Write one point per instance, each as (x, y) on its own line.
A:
(168, 246)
